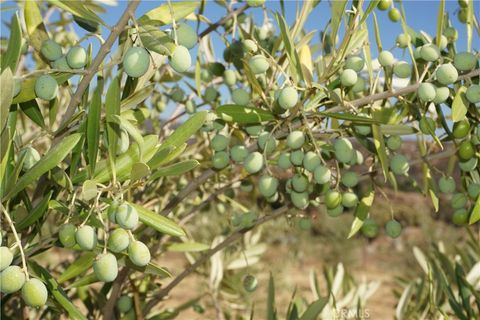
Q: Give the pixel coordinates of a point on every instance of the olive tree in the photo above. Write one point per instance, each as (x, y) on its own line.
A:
(286, 122)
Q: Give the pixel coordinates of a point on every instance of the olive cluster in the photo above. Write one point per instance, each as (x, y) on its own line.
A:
(120, 240)
(13, 278)
(46, 86)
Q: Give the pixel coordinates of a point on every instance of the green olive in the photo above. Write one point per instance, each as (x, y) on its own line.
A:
(284, 160)
(127, 217)
(430, 52)
(186, 35)
(12, 279)
(267, 142)
(288, 98)
(384, 4)
(386, 59)
(343, 150)
(295, 139)
(220, 160)
(403, 39)
(34, 293)
(299, 182)
(441, 94)
(300, 200)
(446, 74)
(106, 267)
(348, 77)
(51, 50)
(466, 150)
(136, 62)
(238, 153)
(394, 15)
(124, 304)
(370, 228)
(399, 164)
(349, 199)
(393, 228)
(268, 185)
(258, 64)
(77, 57)
(86, 237)
(311, 161)
(46, 87)
(250, 283)
(296, 157)
(459, 200)
(355, 63)
(254, 162)
(322, 174)
(138, 253)
(6, 258)
(220, 142)
(461, 129)
(240, 97)
(333, 199)
(350, 179)
(473, 93)
(426, 92)
(394, 142)
(460, 217)
(118, 240)
(402, 69)
(180, 60)
(446, 184)
(465, 61)
(66, 235)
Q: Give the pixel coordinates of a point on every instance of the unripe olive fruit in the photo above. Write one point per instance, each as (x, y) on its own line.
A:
(12, 279)
(61, 64)
(246, 186)
(446, 184)
(355, 63)
(180, 60)
(446, 74)
(211, 94)
(343, 150)
(254, 162)
(118, 240)
(106, 267)
(258, 64)
(460, 217)
(126, 216)
(66, 235)
(441, 94)
(267, 142)
(333, 199)
(136, 62)
(6, 258)
(34, 293)
(451, 34)
(430, 52)
(299, 182)
(459, 200)
(287, 98)
(299, 199)
(86, 237)
(427, 125)
(296, 157)
(46, 87)
(124, 304)
(250, 283)
(426, 92)
(138, 253)
(399, 164)
(229, 77)
(249, 46)
(384, 4)
(322, 174)
(77, 57)
(51, 50)
(335, 212)
(284, 160)
(186, 35)
(403, 39)
(473, 190)
(348, 77)
(177, 94)
(30, 157)
(463, 3)
(473, 93)
(370, 228)
(402, 69)
(463, 15)
(254, 130)
(468, 165)
(349, 199)
(466, 150)
(393, 228)
(350, 179)
(295, 139)
(238, 153)
(394, 15)
(268, 185)
(240, 97)
(220, 142)
(386, 59)
(255, 3)
(359, 86)
(394, 142)
(461, 129)
(311, 161)
(464, 61)
(190, 106)
(363, 129)
(220, 160)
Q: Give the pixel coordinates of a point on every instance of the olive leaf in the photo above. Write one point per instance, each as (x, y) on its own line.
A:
(158, 222)
(243, 114)
(161, 15)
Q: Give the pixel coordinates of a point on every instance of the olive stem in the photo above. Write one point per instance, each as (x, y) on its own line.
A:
(174, 24)
(17, 240)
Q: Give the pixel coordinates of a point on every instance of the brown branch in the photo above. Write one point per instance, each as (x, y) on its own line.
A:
(102, 53)
(224, 244)
(107, 310)
(220, 22)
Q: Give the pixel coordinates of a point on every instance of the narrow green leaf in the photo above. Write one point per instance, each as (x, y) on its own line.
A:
(314, 309)
(242, 114)
(93, 125)
(136, 98)
(371, 6)
(78, 267)
(198, 79)
(160, 157)
(380, 148)
(79, 9)
(150, 268)
(338, 12)
(35, 214)
(348, 116)
(53, 158)
(56, 291)
(271, 309)
(361, 213)
(7, 84)
(112, 108)
(440, 20)
(186, 130)
(89, 190)
(397, 129)
(139, 171)
(459, 105)
(132, 131)
(475, 215)
(32, 110)
(15, 41)
(34, 22)
(84, 281)
(292, 54)
(188, 247)
(161, 15)
(158, 222)
(156, 40)
(378, 38)
(176, 169)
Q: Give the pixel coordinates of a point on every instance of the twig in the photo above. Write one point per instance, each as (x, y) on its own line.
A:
(224, 244)
(17, 240)
(104, 50)
(222, 21)
(107, 310)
